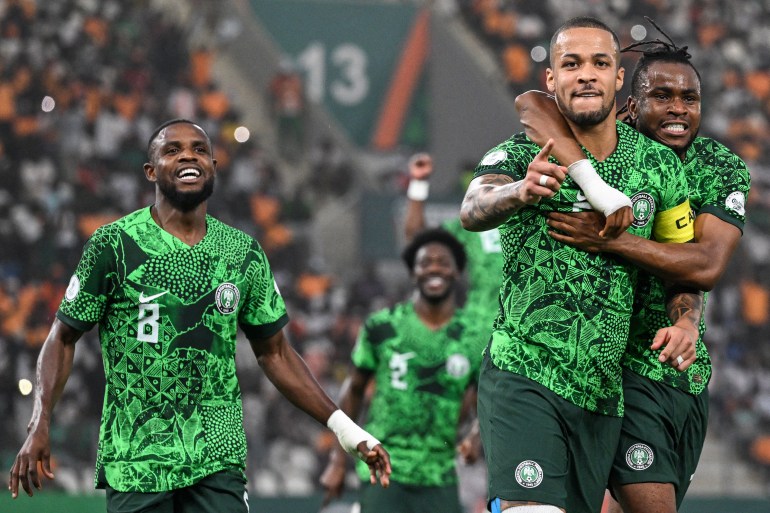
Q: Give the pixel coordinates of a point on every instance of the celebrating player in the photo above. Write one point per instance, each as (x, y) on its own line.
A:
(169, 286)
(422, 358)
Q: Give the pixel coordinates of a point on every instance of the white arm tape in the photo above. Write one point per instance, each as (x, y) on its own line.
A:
(418, 190)
(601, 196)
(349, 433)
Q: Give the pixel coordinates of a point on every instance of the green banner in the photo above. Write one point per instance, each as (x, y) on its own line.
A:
(348, 54)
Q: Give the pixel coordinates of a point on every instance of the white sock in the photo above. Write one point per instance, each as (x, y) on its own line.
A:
(601, 196)
(540, 508)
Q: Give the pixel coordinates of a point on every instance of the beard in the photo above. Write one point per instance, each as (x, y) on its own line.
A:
(186, 201)
(590, 118)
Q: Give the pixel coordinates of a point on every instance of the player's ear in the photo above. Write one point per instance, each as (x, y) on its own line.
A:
(633, 108)
(149, 172)
(619, 79)
(549, 80)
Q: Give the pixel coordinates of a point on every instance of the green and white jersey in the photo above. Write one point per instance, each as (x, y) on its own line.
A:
(168, 315)
(565, 313)
(484, 269)
(719, 185)
(421, 376)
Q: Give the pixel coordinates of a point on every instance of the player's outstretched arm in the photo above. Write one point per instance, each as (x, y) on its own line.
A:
(53, 369)
(287, 371)
(420, 169)
(491, 199)
(542, 120)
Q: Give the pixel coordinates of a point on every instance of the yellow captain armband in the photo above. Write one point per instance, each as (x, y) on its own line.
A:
(674, 224)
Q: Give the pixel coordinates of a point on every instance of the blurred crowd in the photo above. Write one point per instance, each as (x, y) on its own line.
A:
(84, 82)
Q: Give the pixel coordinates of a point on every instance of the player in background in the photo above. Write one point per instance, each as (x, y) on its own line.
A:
(666, 410)
(485, 258)
(556, 347)
(169, 285)
(423, 367)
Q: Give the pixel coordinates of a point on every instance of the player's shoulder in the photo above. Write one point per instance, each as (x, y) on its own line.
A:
(514, 148)
(108, 232)
(710, 152)
(650, 152)
(229, 237)
(383, 324)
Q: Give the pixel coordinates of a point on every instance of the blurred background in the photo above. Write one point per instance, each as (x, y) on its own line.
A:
(314, 107)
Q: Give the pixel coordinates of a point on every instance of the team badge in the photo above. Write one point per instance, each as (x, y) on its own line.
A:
(529, 474)
(493, 158)
(227, 297)
(639, 457)
(458, 365)
(736, 201)
(643, 207)
(72, 289)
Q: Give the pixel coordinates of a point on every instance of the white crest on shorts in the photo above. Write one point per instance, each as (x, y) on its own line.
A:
(639, 457)
(458, 365)
(227, 297)
(736, 201)
(72, 289)
(493, 158)
(529, 474)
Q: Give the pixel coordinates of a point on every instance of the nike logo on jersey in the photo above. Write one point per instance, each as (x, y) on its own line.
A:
(147, 299)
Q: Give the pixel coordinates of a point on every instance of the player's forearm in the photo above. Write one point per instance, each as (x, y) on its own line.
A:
(288, 372)
(489, 202)
(684, 308)
(415, 218)
(542, 120)
(54, 365)
(686, 264)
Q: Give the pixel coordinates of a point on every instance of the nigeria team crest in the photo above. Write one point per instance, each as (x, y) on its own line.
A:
(643, 207)
(529, 474)
(227, 297)
(639, 457)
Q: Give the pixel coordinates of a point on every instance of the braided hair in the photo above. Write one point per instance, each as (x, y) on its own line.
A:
(655, 50)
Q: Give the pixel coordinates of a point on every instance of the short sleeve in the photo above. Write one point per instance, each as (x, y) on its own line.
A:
(264, 311)
(94, 280)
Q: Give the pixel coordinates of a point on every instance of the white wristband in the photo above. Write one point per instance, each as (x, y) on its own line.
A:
(349, 433)
(418, 190)
(601, 196)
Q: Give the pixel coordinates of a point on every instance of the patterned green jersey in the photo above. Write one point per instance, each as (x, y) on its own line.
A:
(421, 376)
(719, 185)
(168, 315)
(485, 274)
(564, 312)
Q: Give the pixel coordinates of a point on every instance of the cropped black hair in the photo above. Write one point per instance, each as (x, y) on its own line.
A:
(656, 50)
(151, 140)
(429, 235)
(583, 22)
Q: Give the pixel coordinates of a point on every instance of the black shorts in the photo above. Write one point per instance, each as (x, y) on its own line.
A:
(539, 446)
(222, 491)
(664, 429)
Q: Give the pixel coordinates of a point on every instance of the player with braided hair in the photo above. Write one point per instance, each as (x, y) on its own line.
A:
(666, 405)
